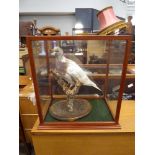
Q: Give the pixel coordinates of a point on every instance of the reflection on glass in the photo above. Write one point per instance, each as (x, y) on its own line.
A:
(116, 50)
(81, 71)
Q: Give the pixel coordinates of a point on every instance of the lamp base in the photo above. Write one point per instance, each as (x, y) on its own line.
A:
(112, 28)
(60, 110)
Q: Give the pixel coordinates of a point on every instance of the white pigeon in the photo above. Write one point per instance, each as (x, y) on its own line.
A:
(70, 70)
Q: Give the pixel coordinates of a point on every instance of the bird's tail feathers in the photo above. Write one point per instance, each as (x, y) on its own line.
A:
(97, 87)
(93, 85)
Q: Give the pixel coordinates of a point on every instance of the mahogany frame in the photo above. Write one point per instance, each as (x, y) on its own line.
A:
(79, 125)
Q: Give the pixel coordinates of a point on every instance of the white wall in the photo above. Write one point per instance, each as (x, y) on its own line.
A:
(60, 5)
(65, 6)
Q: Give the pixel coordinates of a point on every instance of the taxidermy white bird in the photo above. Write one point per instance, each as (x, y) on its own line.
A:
(71, 71)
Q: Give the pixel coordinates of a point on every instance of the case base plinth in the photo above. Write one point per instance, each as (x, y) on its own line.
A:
(60, 111)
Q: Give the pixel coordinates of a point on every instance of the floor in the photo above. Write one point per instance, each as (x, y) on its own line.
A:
(22, 149)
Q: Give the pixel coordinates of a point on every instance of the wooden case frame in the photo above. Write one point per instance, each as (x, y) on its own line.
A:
(79, 125)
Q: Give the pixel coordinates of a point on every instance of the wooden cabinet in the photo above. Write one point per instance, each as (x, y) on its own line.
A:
(95, 142)
(28, 111)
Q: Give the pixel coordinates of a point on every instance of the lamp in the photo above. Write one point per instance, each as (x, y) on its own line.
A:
(108, 22)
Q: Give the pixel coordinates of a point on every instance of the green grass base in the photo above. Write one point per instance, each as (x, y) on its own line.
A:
(99, 112)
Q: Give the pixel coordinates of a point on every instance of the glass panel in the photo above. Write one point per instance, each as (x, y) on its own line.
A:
(116, 51)
(72, 74)
(79, 67)
(40, 62)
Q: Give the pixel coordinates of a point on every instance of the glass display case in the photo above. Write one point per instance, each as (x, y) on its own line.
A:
(76, 94)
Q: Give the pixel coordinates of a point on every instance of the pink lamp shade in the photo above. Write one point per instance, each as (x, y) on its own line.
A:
(108, 22)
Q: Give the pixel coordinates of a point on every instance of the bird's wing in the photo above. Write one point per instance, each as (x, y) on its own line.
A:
(79, 74)
(76, 71)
